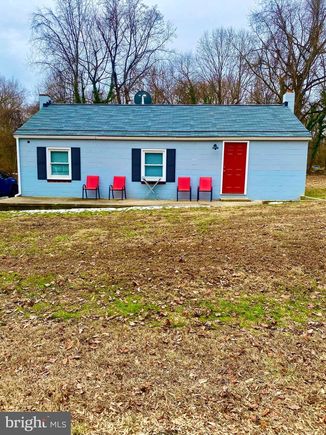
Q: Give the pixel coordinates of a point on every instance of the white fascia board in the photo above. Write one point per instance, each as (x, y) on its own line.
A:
(167, 138)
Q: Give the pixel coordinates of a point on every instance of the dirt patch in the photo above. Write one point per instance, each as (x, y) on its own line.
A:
(195, 321)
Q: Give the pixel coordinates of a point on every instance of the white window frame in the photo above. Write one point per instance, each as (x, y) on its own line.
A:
(158, 151)
(48, 160)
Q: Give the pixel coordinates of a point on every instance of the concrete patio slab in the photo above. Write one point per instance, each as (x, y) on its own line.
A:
(45, 203)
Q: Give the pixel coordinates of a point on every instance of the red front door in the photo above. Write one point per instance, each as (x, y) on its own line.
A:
(234, 167)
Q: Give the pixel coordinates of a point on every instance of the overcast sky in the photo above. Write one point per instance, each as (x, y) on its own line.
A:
(190, 17)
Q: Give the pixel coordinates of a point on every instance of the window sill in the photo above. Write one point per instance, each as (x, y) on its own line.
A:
(153, 182)
(58, 181)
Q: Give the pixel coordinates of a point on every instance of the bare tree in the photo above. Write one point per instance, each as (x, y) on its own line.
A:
(12, 115)
(290, 48)
(316, 123)
(160, 82)
(99, 52)
(187, 80)
(58, 36)
(135, 36)
(259, 93)
(96, 59)
(290, 53)
(58, 84)
(175, 81)
(223, 66)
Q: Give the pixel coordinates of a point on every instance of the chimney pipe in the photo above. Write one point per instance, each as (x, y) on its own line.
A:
(289, 100)
(44, 100)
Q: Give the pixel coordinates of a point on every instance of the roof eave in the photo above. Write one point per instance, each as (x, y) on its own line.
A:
(162, 138)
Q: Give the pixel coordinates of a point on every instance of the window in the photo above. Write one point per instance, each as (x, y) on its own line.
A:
(153, 167)
(59, 164)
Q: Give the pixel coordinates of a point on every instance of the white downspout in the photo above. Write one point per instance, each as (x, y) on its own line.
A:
(18, 167)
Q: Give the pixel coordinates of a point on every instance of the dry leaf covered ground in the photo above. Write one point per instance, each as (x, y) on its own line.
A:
(188, 321)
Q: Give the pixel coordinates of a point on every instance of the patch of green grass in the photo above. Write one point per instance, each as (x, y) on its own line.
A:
(245, 310)
(131, 306)
(134, 229)
(205, 223)
(177, 320)
(8, 278)
(171, 216)
(37, 281)
(66, 315)
(129, 234)
(251, 310)
(99, 286)
(40, 307)
(90, 235)
(26, 243)
(295, 310)
(102, 299)
(80, 429)
(67, 311)
(96, 305)
(26, 237)
(15, 281)
(5, 215)
(64, 238)
(128, 307)
(316, 193)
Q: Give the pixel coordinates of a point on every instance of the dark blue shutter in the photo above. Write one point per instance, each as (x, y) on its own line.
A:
(170, 165)
(41, 163)
(136, 164)
(75, 164)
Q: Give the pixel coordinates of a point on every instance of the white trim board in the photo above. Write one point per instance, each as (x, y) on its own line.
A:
(167, 138)
(18, 167)
(247, 167)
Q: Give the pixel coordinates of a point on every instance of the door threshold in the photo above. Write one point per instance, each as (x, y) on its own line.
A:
(235, 198)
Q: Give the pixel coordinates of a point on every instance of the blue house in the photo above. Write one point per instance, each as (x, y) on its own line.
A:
(257, 152)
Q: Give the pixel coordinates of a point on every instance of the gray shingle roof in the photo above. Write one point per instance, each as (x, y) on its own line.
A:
(164, 121)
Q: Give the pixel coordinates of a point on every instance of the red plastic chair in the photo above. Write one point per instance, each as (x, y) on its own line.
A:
(184, 186)
(119, 184)
(205, 185)
(92, 183)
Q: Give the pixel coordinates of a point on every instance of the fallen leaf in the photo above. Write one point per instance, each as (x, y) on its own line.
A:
(293, 406)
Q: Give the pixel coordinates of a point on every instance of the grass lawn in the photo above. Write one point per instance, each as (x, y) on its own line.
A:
(174, 321)
(316, 186)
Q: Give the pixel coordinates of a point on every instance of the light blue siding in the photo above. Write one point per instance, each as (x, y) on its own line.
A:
(276, 170)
